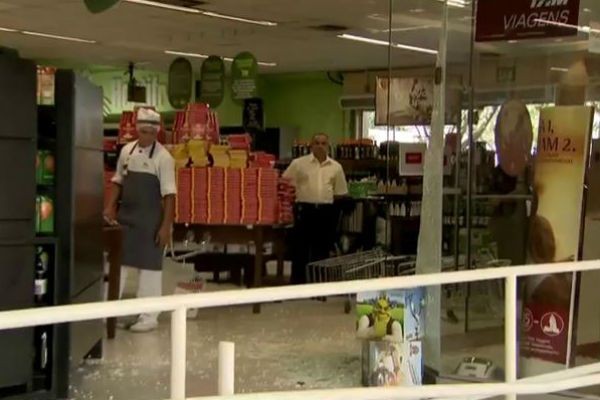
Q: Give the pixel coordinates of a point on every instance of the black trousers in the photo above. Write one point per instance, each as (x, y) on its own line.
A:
(315, 228)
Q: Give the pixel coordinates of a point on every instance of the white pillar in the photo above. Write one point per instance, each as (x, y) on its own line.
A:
(429, 251)
(178, 353)
(510, 332)
(226, 369)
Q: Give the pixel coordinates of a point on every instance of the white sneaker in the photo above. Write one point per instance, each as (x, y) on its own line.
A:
(144, 324)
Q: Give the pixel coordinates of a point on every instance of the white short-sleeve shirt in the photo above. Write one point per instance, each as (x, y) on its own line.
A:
(161, 165)
(316, 182)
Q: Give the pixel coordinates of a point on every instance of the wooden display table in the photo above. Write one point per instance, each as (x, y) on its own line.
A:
(113, 246)
(243, 234)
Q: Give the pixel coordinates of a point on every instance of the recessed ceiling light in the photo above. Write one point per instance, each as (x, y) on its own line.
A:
(157, 4)
(587, 10)
(559, 69)
(191, 10)
(238, 19)
(513, 41)
(386, 43)
(267, 64)
(185, 54)
(8, 30)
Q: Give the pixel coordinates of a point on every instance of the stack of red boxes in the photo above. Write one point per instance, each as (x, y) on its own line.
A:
(260, 159)
(287, 196)
(233, 196)
(202, 122)
(267, 196)
(183, 200)
(181, 131)
(199, 195)
(216, 194)
(240, 141)
(249, 196)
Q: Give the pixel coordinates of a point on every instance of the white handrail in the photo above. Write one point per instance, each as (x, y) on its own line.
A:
(121, 308)
(179, 304)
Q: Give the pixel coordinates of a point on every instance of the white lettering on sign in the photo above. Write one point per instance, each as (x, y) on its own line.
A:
(548, 3)
(535, 20)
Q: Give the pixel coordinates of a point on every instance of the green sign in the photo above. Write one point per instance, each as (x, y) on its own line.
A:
(98, 6)
(181, 78)
(244, 77)
(212, 77)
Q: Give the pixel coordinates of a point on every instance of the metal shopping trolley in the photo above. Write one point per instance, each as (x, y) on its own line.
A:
(362, 265)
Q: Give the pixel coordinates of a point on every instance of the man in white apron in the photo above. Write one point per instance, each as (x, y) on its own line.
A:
(145, 185)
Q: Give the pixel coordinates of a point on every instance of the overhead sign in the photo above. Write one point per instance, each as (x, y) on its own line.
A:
(555, 236)
(180, 84)
(212, 89)
(244, 77)
(98, 6)
(526, 19)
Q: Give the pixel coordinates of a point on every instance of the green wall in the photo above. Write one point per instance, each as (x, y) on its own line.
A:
(308, 102)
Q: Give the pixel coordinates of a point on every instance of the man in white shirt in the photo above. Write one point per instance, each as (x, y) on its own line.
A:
(318, 180)
(145, 185)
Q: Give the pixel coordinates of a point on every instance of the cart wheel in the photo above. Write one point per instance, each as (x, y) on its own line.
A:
(347, 307)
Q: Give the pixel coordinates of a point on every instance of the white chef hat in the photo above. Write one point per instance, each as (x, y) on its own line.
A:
(148, 118)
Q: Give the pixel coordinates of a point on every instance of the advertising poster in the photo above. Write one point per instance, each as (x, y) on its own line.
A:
(555, 236)
(180, 84)
(525, 19)
(411, 102)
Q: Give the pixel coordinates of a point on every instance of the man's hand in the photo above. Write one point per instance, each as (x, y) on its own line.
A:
(163, 236)
(110, 216)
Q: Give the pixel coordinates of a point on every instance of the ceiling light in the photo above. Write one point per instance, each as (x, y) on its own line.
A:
(456, 3)
(513, 41)
(416, 11)
(157, 4)
(267, 64)
(8, 30)
(558, 69)
(386, 43)
(58, 37)
(185, 54)
(587, 10)
(238, 19)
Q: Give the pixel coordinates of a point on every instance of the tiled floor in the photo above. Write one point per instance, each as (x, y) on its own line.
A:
(292, 345)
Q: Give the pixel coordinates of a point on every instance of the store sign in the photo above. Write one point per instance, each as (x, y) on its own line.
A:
(244, 77)
(98, 6)
(181, 79)
(525, 19)
(212, 75)
(555, 236)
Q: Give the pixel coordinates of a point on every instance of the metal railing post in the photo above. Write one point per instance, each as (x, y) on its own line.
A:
(226, 369)
(178, 353)
(510, 332)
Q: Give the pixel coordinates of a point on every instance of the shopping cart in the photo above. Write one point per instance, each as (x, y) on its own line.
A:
(362, 265)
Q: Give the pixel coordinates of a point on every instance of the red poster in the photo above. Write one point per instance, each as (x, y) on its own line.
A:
(499, 20)
(545, 333)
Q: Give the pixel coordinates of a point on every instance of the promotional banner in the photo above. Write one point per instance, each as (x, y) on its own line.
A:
(212, 76)
(555, 236)
(253, 115)
(411, 102)
(98, 6)
(244, 76)
(525, 19)
(181, 79)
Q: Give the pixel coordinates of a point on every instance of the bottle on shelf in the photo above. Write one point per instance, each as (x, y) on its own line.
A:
(41, 275)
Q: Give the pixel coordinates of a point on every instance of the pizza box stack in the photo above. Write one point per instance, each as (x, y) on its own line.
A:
(240, 147)
(127, 131)
(198, 153)
(183, 200)
(199, 195)
(249, 196)
(268, 179)
(287, 196)
(238, 159)
(203, 122)
(260, 159)
(220, 155)
(216, 193)
(181, 129)
(233, 196)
